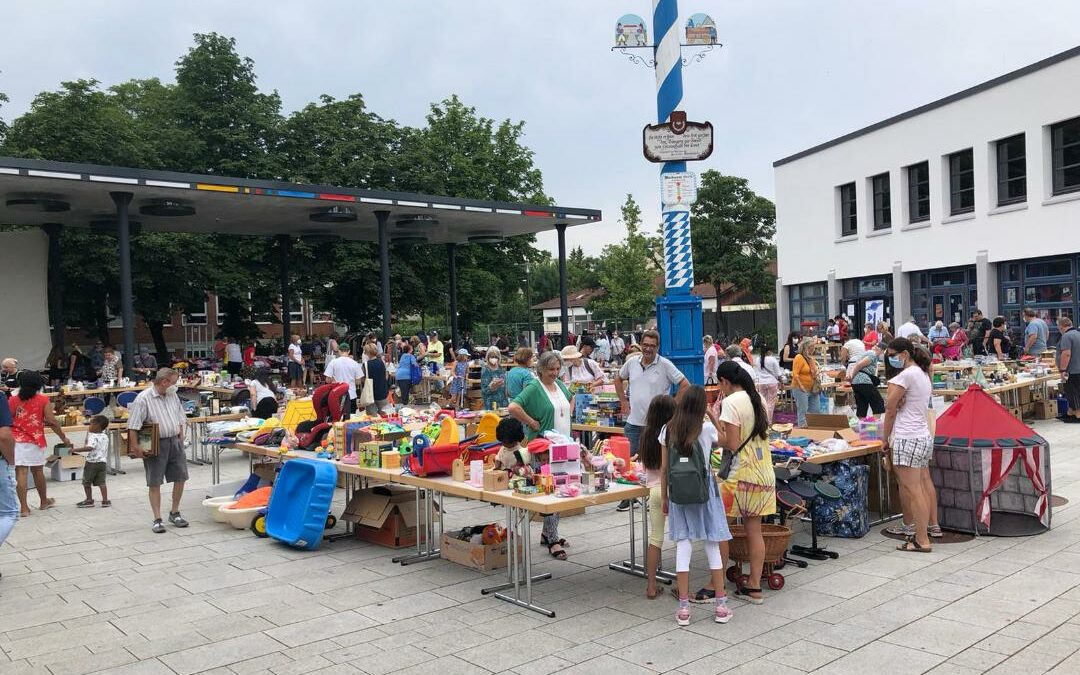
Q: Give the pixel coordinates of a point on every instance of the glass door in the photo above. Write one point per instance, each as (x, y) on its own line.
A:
(957, 311)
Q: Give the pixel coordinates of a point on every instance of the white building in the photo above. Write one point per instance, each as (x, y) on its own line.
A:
(969, 201)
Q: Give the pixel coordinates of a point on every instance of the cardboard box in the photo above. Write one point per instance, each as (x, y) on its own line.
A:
(267, 471)
(539, 517)
(1046, 410)
(1016, 412)
(1024, 395)
(824, 427)
(68, 468)
(385, 515)
(476, 556)
(495, 480)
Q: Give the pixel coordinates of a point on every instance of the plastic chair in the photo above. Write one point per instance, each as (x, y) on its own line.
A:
(93, 405)
(125, 398)
(485, 430)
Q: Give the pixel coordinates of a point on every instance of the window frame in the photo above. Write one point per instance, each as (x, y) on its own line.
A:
(1057, 158)
(956, 175)
(1003, 178)
(915, 213)
(881, 191)
(849, 210)
(187, 316)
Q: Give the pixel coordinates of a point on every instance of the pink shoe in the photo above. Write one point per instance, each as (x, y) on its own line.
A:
(350, 459)
(723, 613)
(682, 616)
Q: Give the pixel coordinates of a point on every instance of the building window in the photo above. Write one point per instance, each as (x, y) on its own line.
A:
(1048, 268)
(1011, 170)
(808, 307)
(196, 318)
(961, 182)
(1065, 150)
(1048, 286)
(849, 215)
(882, 209)
(919, 192)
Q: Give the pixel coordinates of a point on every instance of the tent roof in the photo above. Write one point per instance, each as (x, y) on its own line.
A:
(975, 417)
(258, 207)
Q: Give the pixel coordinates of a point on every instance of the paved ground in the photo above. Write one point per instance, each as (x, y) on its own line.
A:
(94, 590)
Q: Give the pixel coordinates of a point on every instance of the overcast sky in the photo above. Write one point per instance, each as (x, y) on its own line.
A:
(792, 73)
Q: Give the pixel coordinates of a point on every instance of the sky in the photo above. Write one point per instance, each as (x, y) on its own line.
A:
(790, 74)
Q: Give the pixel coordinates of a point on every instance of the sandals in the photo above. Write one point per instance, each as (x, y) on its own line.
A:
(912, 546)
(49, 503)
(935, 531)
(558, 555)
(745, 594)
(703, 595)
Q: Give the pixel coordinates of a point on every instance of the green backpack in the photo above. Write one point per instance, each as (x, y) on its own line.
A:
(688, 477)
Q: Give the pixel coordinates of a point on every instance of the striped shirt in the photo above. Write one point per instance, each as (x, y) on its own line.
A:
(163, 410)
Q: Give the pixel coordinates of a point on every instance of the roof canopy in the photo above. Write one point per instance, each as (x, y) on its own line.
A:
(976, 420)
(36, 192)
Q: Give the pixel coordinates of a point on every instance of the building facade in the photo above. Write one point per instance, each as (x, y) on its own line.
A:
(969, 201)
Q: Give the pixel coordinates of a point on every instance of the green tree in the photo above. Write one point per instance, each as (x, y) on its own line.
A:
(627, 271)
(732, 229)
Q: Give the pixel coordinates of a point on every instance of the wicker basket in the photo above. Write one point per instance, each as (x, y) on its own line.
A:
(777, 538)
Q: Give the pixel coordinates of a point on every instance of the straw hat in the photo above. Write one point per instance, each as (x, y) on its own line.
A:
(570, 353)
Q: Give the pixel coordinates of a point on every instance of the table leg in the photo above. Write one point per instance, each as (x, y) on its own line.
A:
(519, 522)
(350, 489)
(112, 467)
(428, 549)
(631, 566)
(885, 513)
(195, 433)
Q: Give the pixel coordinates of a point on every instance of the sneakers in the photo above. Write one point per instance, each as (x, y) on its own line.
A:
(177, 520)
(723, 613)
(624, 505)
(85, 504)
(105, 503)
(935, 531)
(158, 527)
(682, 616)
(901, 530)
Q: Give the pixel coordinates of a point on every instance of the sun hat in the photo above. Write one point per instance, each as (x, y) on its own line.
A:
(570, 353)
(463, 352)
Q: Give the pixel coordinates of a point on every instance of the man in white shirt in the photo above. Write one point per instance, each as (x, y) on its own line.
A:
(234, 357)
(911, 331)
(603, 348)
(296, 363)
(345, 369)
(618, 346)
(710, 359)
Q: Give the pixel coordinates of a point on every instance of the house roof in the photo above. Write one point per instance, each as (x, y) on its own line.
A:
(989, 84)
(579, 298)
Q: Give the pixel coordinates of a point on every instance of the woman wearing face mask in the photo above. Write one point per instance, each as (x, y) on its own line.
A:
(493, 381)
(908, 444)
(789, 350)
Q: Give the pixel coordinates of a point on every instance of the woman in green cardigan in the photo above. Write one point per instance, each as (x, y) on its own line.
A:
(546, 405)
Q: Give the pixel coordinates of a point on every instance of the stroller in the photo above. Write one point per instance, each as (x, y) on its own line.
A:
(329, 403)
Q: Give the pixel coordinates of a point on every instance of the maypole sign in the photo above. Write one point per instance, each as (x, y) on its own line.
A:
(677, 140)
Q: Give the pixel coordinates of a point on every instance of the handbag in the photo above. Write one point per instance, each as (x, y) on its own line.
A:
(728, 458)
(366, 396)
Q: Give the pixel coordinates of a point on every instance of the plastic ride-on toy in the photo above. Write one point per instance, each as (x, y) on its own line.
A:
(329, 403)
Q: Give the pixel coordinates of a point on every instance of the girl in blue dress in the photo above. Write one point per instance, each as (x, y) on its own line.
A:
(687, 432)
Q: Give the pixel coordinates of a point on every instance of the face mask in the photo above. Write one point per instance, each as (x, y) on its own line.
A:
(493, 361)
(896, 362)
(172, 390)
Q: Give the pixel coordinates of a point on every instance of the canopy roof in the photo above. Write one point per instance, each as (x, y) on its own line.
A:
(976, 420)
(34, 192)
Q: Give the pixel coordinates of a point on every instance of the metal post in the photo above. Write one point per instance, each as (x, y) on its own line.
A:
(127, 301)
(382, 217)
(451, 257)
(285, 246)
(564, 308)
(56, 284)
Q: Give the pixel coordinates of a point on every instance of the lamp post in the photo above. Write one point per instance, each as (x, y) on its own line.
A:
(672, 142)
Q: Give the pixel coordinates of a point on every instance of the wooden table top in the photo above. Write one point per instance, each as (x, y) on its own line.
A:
(861, 450)
(596, 428)
(552, 504)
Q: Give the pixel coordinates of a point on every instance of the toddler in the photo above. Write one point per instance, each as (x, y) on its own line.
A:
(97, 455)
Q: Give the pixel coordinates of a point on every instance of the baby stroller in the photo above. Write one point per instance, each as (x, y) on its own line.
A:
(329, 403)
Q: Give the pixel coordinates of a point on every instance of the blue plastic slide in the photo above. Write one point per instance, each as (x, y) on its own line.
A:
(300, 502)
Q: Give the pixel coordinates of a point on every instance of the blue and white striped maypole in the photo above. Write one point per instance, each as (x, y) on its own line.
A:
(678, 258)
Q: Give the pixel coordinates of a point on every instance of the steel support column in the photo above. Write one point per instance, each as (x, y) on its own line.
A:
(383, 217)
(564, 303)
(451, 257)
(127, 299)
(284, 250)
(55, 284)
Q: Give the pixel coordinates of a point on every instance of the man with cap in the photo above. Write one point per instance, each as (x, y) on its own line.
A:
(345, 369)
(435, 353)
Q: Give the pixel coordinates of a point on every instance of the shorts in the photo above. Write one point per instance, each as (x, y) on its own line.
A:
(296, 371)
(913, 452)
(656, 518)
(94, 474)
(1071, 389)
(170, 465)
(29, 454)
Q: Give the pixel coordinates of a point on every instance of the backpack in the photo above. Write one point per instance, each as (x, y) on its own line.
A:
(688, 477)
(416, 375)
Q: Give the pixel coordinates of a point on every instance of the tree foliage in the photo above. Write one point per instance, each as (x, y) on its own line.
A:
(732, 230)
(627, 271)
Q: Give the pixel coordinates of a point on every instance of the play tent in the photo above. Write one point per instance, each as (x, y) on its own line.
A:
(992, 471)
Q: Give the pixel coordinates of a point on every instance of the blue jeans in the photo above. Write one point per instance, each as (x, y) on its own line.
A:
(633, 435)
(805, 402)
(9, 501)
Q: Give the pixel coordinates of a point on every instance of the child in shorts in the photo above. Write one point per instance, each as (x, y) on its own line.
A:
(97, 455)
